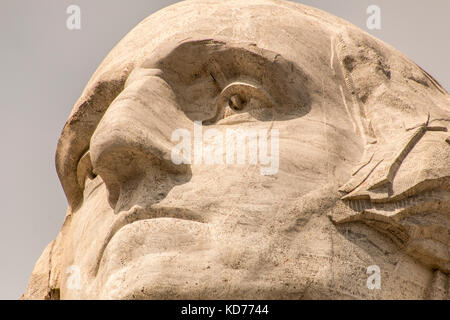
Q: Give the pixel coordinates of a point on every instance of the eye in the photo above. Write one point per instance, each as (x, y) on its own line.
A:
(243, 97)
(236, 103)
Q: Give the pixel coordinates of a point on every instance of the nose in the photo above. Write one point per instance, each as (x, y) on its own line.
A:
(134, 134)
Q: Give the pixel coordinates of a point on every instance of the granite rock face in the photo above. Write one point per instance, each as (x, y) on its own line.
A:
(340, 191)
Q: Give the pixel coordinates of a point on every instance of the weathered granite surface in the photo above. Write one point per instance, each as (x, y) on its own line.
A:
(363, 177)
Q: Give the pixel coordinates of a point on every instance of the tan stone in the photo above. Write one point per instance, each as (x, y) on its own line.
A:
(363, 177)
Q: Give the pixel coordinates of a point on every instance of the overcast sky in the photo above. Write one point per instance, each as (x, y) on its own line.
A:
(44, 67)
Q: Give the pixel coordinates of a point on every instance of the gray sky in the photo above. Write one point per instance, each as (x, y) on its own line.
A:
(45, 66)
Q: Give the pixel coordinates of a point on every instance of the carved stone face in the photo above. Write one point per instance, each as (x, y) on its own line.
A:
(334, 112)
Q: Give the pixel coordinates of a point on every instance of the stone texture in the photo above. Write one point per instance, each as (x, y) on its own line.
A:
(363, 180)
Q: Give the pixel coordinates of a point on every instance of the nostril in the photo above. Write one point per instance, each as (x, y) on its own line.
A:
(129, 174)
(117, 167)
(85, 170)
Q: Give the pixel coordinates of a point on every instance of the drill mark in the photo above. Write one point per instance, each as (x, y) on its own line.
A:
(363, 165)
(219, 78)
(419, 132)
(351, 186)
(332, 54)
(348, 110)
(215, 83)
(395, 164)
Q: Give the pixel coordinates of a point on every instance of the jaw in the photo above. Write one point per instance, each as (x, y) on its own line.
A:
(303, 260)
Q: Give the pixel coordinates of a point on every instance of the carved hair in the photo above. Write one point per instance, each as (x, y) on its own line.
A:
(402, 185)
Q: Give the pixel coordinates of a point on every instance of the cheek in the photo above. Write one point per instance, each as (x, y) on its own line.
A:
(304, 148)
(319, 149)
(301, 164)
(88, 228)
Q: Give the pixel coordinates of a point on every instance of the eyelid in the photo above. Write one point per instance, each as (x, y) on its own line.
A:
(246, 91)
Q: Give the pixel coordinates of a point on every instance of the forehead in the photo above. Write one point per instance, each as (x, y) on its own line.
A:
(298, 33)
(279, 27)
